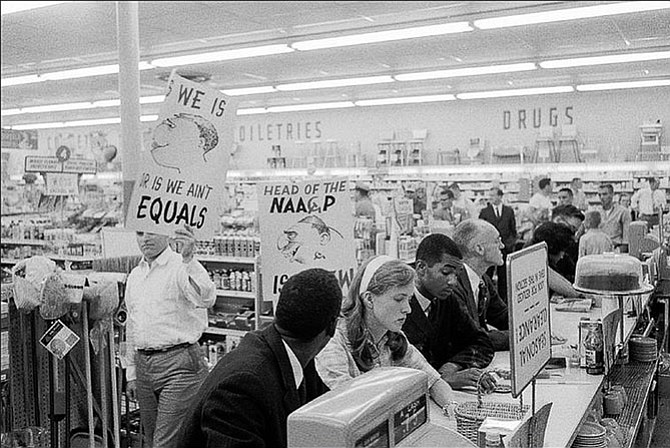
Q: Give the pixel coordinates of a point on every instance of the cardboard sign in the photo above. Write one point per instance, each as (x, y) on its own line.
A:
(59, 339)
(529, 323)
(182, 173)
(305, 225)
(61, 184)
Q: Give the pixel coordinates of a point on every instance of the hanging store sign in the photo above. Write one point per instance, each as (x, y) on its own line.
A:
(305, 225)
(530, 332)
(52, 164)
(182, 175)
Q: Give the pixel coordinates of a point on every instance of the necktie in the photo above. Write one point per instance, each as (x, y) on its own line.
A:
(302, 393)
(498, 212)
(481, 301)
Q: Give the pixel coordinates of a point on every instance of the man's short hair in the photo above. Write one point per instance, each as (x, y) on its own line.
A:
(454, 186)
(609, 188)
(448, 193)
(557, 236)
(433, 246)
(569, 211)
(592, 220)
(497, 191)
(308, 303)
(544, 182)
(568, 191)
(468, 233)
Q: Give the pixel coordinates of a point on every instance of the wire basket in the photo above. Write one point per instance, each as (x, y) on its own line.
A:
(471, 414)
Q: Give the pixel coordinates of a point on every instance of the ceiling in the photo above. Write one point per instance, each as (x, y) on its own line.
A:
(82, 34)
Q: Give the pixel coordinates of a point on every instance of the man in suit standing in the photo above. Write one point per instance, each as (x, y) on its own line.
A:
(503, 219)
(481, 246)
(245, 401)
(438, 325)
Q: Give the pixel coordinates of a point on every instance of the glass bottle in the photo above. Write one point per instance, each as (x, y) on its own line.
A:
(593, 345)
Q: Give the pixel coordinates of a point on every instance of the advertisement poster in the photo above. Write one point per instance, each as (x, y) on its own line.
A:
(183, 170)
(529, 322)
(15, 139)
(305, 225)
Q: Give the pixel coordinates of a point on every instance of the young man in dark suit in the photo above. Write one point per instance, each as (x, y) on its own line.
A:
(503, 219)
(245, 401)
(439, 326)
(481, 246)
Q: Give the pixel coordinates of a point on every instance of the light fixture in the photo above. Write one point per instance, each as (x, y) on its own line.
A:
(56, 108)
(334, 83)
(79, 106)
(12, 7)
(311, 106)
(224, 55)
(382, 36)
(8, 112)
(559, 15)
(406, 100)
(514, 92)
(467, 71)
(77, 123)
(69, 74)
(624, 85)
(18, 80)
(249, 90)
(252, 111)
(607, 59)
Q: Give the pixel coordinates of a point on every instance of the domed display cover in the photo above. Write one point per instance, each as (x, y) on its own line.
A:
(613, 274)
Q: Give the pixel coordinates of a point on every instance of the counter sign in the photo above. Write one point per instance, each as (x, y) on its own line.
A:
(530, 333)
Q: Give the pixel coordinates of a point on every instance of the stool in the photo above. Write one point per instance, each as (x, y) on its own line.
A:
(449, 157)
(546, 137)
(569, 136)
(331, 157)
(315, 156)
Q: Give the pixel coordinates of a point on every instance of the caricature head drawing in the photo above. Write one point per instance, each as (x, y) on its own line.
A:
(182, 139)
(305, 240)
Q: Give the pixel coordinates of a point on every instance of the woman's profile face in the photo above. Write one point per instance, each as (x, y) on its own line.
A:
(390, 309)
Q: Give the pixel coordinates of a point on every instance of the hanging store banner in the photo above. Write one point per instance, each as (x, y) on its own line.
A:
(305, 225)
(529, 323)
(183, 172)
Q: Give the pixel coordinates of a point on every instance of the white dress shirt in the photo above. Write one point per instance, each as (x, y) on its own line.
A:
(540, 201)
(298, 373)
(474, 283)
(164, 307)
(648, 202)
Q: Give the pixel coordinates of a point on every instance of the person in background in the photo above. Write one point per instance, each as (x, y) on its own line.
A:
(418, 198)
(446, 211)
(463, 203)
(363, 203)
(167, 295)
(439, 326)
(579, 197)
(565, 196)
(648, 201)
(560, 240)
(247, 398)
(503, 219)
(624, 201)
(481, 246)
(540, 202)
(370, 335)
(555, 235)
(573, 218)
(615, 220)
(594, 241)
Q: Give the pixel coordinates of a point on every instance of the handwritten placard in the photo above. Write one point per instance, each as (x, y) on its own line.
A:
(305, 225)
(61, 184)
(183, 171)
(528, 304)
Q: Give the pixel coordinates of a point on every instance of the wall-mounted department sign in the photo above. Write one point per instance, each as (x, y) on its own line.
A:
(530, 332)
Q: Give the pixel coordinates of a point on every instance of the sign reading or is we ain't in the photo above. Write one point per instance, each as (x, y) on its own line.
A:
(529, 320)
(305, 225)
(182, 172)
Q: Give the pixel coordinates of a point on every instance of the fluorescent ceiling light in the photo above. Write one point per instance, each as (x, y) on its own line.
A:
(224, 55)
(559, 15)
(610, 59)
(335, 83)
(79, 106)
(249, 90)
(382, 36)
(312, 106)
(18, 80)
(468, 71)
(252, 111)
(107, 103)
(406, 100)
(9, 7)
(624, 85)
(514, 92)
(144, 118)
(8, 112)
(77, 123)
(152, 99)
(56, 108)
(69, 74)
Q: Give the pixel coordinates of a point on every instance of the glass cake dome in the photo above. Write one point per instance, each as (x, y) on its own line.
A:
(612, 274)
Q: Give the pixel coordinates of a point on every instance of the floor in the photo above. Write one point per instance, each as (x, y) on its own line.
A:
(661, 436)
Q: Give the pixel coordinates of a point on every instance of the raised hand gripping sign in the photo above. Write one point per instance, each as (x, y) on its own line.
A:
(183, 169)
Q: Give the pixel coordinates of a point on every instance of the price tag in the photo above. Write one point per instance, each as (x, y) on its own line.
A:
(59, 339)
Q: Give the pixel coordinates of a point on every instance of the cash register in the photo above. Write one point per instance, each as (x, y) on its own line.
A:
(385, 407)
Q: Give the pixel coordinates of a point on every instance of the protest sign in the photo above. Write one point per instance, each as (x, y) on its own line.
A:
(529, 323)
(305, 225)
(182, 175)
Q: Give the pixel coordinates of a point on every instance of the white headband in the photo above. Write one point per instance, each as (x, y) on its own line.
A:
(371, 269)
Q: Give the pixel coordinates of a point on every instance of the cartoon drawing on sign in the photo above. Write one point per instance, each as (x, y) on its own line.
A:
(305, 241)
(182, 140)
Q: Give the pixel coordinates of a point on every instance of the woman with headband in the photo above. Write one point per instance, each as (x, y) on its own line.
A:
(370, 334)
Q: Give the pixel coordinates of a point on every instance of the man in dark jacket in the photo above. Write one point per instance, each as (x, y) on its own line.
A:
(245, 401)
(502, 218)
(481, 245)
(439, 326)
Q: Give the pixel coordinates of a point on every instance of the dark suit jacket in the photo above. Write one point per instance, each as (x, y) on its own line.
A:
(448, 334)
(506, 224)
(245, 401)
(493, 312)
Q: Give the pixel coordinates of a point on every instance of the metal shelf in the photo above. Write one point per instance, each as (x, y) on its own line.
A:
(225, 331)
(234, 293)
(24, 242)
